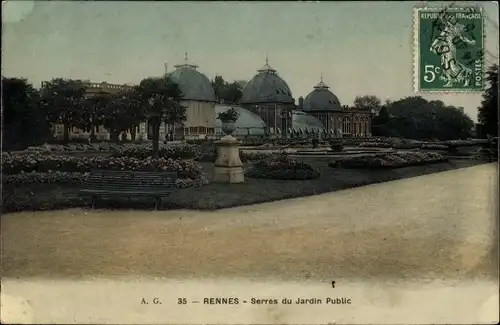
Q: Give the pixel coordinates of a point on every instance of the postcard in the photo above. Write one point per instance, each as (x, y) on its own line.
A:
(238, 162)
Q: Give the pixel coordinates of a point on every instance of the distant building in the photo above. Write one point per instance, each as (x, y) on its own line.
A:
(267, 107)
(268, 96)
(342, 121)
(199, 100)
(92, 89)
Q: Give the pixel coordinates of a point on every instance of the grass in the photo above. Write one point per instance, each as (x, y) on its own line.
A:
(217, 196)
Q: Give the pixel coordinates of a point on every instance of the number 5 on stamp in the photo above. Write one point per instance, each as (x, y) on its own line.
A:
(448, 49)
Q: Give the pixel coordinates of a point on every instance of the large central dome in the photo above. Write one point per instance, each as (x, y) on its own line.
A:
(321, 98)
(266, 87)
(193, 84)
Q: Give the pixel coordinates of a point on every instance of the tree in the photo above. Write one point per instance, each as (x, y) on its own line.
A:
(453, 123)
(226, 92)
(93, 113)
(416, 118)
(24, 123)
(368, 101)
(381, 123)
(160, 99)
(63, 101)
(488, 111)
(218, 84)
(121, 112)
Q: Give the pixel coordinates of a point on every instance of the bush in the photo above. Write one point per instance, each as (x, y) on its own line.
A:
(282, 168)
(390, 160)
(375, 145)
(336, 145)
(25, 162)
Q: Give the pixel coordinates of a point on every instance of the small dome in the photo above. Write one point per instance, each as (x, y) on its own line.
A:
(302, 121)
(247, 123)
(193, 84)
(321, 98)
(267, 87)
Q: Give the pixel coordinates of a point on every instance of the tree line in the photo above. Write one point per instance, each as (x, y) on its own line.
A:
(417, 118)
(29, 113)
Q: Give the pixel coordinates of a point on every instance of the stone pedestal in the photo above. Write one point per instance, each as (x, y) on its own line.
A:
(228, 167)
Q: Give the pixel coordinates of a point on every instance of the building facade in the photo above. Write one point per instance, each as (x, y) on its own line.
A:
(101, 133)
(339, 120)
(267, 107)
(268, 96)
(199, 100)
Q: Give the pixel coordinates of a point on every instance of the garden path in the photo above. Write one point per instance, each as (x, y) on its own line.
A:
(434, 226)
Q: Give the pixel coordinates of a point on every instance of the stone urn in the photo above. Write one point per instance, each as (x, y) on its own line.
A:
(228, 127)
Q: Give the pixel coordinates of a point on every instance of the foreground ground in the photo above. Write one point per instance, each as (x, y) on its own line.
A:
(217, 196)
(434, 226)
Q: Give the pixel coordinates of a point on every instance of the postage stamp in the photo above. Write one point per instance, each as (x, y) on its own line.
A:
(448, 49)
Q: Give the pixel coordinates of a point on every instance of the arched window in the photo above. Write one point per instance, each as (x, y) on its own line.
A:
(346, 125)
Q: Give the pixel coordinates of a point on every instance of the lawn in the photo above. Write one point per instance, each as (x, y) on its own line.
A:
(217, 196)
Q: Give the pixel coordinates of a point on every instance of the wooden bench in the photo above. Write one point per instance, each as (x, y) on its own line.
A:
(112, 183)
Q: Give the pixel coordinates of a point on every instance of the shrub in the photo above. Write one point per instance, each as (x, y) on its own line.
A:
(390, 160)
(282, 168)
(24, 162)
(336, 145)
(229, 115)
(375, 145)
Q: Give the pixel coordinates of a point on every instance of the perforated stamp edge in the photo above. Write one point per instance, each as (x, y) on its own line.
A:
(416, 52)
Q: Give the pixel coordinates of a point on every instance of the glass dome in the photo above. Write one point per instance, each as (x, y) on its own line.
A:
(305, 123)
(247, 124)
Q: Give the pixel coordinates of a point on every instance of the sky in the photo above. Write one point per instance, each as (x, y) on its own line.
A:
(359, 47)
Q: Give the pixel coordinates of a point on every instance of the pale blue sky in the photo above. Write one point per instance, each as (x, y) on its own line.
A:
(360, 47)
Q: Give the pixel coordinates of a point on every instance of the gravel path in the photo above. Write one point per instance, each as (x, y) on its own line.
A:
(433, 226)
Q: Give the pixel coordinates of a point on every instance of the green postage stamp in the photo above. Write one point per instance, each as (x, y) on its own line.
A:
(448, 49)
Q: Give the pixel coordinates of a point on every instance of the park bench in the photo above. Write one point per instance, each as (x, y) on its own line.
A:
(117, 183)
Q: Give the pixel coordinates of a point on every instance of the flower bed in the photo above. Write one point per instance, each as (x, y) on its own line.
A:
(24, 162)
(143, 151)
(45, 178)
(389, 160)
(245, 156)
(63, 167)
(407, 145)
(77, 147)
(79, 178)
(375, 145)
(282, 168)
(434, 146)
